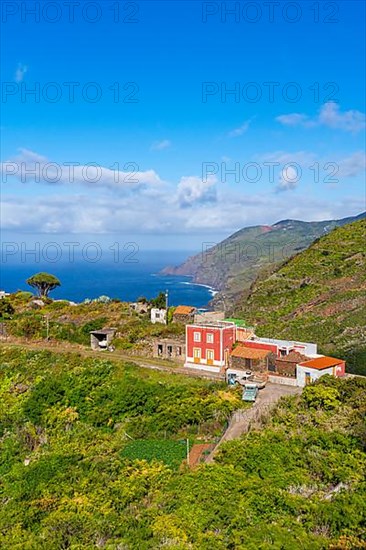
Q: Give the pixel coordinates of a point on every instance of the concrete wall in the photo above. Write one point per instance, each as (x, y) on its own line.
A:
(158, 315)
(284, 380)
(315, 374)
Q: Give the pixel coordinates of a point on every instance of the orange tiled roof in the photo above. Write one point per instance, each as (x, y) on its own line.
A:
(184, 310)
(249, 353)
(321, 363)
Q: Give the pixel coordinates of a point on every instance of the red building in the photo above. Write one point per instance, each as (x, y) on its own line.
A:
(208, 345)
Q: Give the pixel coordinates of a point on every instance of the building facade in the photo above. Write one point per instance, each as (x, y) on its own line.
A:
(243, 358)
(208, 346)
(184, 314)
(310, 371)
(158, 315)
(286, 365)
(169, 348)
(282, 347)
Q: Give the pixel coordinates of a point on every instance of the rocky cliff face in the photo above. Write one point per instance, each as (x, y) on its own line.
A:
(232, 265)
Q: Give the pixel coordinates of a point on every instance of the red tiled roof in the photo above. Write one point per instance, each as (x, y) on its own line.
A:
(249, 353)
(321, 363)
(184, 310)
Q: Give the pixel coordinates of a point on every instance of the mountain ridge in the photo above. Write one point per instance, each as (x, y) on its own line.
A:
(318, 295)
(232, 265)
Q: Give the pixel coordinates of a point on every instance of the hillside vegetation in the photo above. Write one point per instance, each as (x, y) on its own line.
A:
(73, 323)
(318, 296)
(70, 477)
(233, 264)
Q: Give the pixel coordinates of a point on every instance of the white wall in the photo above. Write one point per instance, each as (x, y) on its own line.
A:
(283, 380)
(315, 374)
(306, 348)
(158, 315)
(200, 366)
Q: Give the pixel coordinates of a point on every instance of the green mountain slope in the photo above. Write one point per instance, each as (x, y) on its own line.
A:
(72, 478)
(233, 264)
(318, 295)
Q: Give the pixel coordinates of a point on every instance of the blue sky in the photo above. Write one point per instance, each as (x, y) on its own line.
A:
(298, 154)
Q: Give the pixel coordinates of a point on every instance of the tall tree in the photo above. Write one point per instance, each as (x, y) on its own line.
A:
(44, 283)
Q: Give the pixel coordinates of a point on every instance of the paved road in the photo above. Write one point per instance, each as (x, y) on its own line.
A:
(242, 419)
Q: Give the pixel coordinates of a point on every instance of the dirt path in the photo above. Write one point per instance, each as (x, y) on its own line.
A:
(242, 419)
(116, 356)
(197, 453)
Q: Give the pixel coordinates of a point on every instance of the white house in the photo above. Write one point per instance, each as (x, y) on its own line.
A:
(309, 371)
(282, 347)
(158, 315)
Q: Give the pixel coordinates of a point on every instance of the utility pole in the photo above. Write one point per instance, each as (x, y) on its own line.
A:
(166, 306)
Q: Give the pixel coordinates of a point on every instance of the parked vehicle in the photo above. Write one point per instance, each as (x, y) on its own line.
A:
(250, 392)
(261, 381)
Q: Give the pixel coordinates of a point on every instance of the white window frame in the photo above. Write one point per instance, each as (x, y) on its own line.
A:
(209, 338)
(196, 336)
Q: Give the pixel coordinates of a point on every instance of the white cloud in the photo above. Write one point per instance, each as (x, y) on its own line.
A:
(20, 72)
(331, 116)
(152, 206)
(161, 145)
(288, 179)
(241, 129)
(193, 190)
(306, 167)
(349, 121)
(88, 214)
(30, 167)
(295, 119)
(353, 165)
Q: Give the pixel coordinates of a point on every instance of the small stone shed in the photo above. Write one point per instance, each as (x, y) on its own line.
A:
(101, 339)
(169, 348)
(257, 360)
(184, 315)
(286, 365)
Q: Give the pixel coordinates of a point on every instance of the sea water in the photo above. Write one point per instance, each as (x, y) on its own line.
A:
(126, 281)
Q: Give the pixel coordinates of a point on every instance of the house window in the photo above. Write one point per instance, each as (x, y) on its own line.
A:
(197, 353)
(209, 338)
(157, 315)
(248, 363)
(210, 354)
(197, 336)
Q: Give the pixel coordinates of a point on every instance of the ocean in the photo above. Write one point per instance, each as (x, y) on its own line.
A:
(126, 280)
